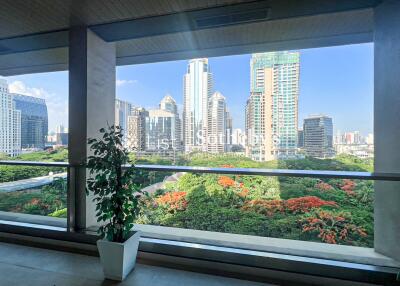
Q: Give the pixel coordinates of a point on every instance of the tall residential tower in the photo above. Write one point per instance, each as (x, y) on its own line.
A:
(272, 108)
(10, 123)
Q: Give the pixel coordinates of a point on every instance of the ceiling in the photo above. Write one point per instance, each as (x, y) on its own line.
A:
(34, 34)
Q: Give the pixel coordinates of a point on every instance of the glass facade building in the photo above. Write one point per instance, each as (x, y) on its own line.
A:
(34, 120)
(197, 91)
(318, 136)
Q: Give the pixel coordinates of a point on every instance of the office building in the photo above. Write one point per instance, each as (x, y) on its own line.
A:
(62, 135)
(136, 131)
(272, 108)
(168, 103)
(34, 120)
(318, 136)
(217, 123)
(197, 90)
(123, 109)
(160, 130)
(300, 138)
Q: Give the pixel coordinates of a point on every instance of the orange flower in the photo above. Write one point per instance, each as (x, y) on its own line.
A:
(173, 200)
(227, 166)
(226, 182)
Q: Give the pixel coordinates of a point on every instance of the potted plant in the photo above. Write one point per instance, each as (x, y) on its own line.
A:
(116, 195)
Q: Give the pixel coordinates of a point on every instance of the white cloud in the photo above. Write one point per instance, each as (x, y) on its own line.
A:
(121, 82)
(57, 107)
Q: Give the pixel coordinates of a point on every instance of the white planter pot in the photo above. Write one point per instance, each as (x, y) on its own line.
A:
(118, 259)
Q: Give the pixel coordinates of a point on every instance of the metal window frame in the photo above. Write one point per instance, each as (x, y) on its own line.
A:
(241, 257)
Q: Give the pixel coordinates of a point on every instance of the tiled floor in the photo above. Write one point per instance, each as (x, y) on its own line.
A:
(21, 265)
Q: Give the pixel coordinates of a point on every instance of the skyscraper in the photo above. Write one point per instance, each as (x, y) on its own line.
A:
(318, 136)
(272, 108)
(62, 135)
(160, 130)
(197, 90)
(10, 123)
(216, 138)
(168, 103)
(229, 128)
(136, 129)
(34, 120)
(123, 109)
(300, 138)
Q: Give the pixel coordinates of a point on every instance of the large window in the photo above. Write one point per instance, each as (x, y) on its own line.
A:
(305, 109)
(34, 127)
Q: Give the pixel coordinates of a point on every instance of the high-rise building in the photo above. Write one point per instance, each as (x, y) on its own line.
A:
(300, 138)
(10, 123)
(34, 120)
(229, 128)
(61, 135)
(123, 109)
(136, 130)
(272, 108)
(160, 130)
(216, 138)
(168, 103)
(318, 136)
(255, 122)
(197, 90)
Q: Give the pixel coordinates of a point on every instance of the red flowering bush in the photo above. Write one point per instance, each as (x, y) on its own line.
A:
(173, 201)
(348, 186)
(226, 182)
(305, 204)
(322, 186)
(332, 228)
(294, 206)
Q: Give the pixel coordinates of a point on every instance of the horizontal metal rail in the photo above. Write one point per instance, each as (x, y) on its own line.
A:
(276, 172)
(35, 163)
(374, 176)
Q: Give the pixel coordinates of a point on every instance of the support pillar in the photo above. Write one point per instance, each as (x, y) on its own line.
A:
(91, 107)
(387, 126)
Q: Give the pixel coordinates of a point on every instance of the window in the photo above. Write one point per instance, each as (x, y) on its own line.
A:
(183, 121)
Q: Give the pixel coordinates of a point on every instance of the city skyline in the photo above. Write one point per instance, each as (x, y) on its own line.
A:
(333, 81)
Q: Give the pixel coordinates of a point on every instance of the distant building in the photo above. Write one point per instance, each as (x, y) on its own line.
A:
(197, 90)
(370, 139)
(228, 128)
(160, 130)
(238, 137)
(216, 124)
(123, 109)
(168, 103)
(34, 121)
(300, 138)
(272, 108)
(10, 123)
(61, 136)
(318, 136)
(136, 130)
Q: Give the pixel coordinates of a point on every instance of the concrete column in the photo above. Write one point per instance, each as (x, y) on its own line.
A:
(91, 106)
(387, 126)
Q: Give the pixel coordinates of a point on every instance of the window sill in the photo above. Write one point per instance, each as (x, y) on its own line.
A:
(352, 254)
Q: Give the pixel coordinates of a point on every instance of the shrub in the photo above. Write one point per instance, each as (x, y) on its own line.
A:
(332, 228)
(290, 206)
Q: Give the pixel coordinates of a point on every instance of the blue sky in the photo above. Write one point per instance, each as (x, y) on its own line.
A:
(336, 81)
